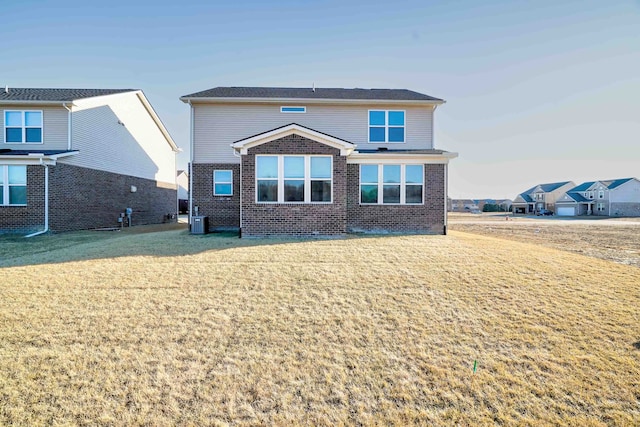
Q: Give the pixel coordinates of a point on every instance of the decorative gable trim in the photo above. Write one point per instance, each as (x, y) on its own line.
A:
(244, 145)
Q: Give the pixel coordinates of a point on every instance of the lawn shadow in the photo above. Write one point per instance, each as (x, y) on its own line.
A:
(637, 345)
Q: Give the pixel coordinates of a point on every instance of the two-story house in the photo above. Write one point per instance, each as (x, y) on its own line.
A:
(75, 159)
(540, 197)
(613, 197)
(317, 161)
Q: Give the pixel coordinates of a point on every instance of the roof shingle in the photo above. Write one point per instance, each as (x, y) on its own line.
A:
(54, 95)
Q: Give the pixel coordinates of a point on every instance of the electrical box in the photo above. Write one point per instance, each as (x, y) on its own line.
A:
(199, 224)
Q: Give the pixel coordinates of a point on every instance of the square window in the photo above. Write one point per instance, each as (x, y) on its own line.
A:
(376, 134)
(386, 126)
(23, 127)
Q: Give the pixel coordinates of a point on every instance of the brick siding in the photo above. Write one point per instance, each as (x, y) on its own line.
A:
(289, 219)
(82, 198)
(223, 211)
(427, 218)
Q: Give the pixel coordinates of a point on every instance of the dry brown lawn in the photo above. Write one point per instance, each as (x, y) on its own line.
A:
(170, 329)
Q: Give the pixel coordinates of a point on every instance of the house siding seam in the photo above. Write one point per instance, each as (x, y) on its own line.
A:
(30, 218)
(103, 196)
(284, 219)
(223, 211)
(423, 219)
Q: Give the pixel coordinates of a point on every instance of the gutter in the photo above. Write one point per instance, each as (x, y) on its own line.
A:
(46, 202)
(191, 119)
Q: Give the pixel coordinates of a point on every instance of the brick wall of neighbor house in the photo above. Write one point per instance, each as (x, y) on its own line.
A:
(82, 198)
(287, 219)
(624, 209)
(223, 211)
(30, 218)
(427, 218)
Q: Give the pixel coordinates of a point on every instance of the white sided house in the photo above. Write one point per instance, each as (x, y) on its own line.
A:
(75, 159)
(540, 198)
(613, 197)
(317, 161)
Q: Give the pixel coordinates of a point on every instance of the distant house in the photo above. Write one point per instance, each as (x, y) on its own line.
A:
(317, 161)
(541, 197)
(75, 159)
(472, 205)
(182, 180)
(614, 197)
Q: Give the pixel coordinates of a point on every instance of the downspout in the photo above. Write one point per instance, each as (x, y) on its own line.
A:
(191, 120)
(69, 126)
(236, 154)
(446, 195)
(46, 202)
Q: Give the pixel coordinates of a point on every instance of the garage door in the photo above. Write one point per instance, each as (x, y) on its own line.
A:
(566, 211)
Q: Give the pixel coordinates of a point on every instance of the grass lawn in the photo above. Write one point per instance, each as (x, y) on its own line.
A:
(164, 328)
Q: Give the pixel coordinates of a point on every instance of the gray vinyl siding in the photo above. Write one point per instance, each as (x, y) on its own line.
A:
(627, 192)
(54, 127)
(216, 126)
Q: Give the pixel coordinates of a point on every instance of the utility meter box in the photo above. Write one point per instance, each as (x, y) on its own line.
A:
(199, 224)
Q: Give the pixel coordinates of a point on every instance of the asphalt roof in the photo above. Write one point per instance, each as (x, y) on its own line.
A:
(54, 95)
(617, 183)
(545, 187)
(309, 93)
(582, 187)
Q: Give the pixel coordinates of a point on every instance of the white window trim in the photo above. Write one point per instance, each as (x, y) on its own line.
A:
(282, 109)
(222, 182)
(24, 127)
(4, 187)
(281, 179)
(380, 184)
(386, 127)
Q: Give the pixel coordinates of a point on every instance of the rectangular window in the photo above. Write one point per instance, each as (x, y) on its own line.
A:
(294, 179)
(222, 183)
(293, 109)
(13, 185)
(391, 184)
(23, 127)
(600, 207)
(386, 126)
(601, 194)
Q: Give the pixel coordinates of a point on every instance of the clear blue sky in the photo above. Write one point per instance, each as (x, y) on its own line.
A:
(537, 91)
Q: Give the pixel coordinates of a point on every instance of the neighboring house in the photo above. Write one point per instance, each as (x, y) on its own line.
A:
(182, 180)
(75, 159)
(296, 161)
(464, 205)
(614, 197)
(541, 197)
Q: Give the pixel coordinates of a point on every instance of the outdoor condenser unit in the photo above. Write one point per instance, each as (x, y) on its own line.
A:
(199, 224)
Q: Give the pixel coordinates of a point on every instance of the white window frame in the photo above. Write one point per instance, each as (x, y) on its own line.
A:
(24, 126)
(284, 108)
(4, 187)
(600, 194)
(380, 183)
(600, 207)
(281, 179)
(386, 127)
(222, 182)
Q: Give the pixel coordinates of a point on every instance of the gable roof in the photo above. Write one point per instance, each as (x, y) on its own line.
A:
(243, 145)
(544, 187)
(582, 187)
(611, 184)
(54, 95)
(238, 93)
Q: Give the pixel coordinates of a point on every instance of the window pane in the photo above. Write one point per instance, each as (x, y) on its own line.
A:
(34, 134)
(222, 176)
(223, 189)
(376, 134)
(1, 176)
(1, 197)
(376, 118)
(17, 174)
(321, 167)
(267, 167)
(293, 167)
(18, 195)
(14, 135)
(13, 118)
(294, 190)
(33, 118)
(391, 194)
(320, 191)
(391, 173)
(267, 191)
(413, 174)
(369, 194)
(413, 194)
(396, 134)
(396, 118)
(369, 173)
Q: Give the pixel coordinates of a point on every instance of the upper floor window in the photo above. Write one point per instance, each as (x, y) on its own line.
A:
(13, 185)
(294, 179)
(391, 184)
(23, 127)
(222, 183)
(601, 194)
(293, 109)
(386, 126)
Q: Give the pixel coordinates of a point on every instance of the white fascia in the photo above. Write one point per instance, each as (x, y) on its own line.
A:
(35, 159)
(404, 158)
(233, 100)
